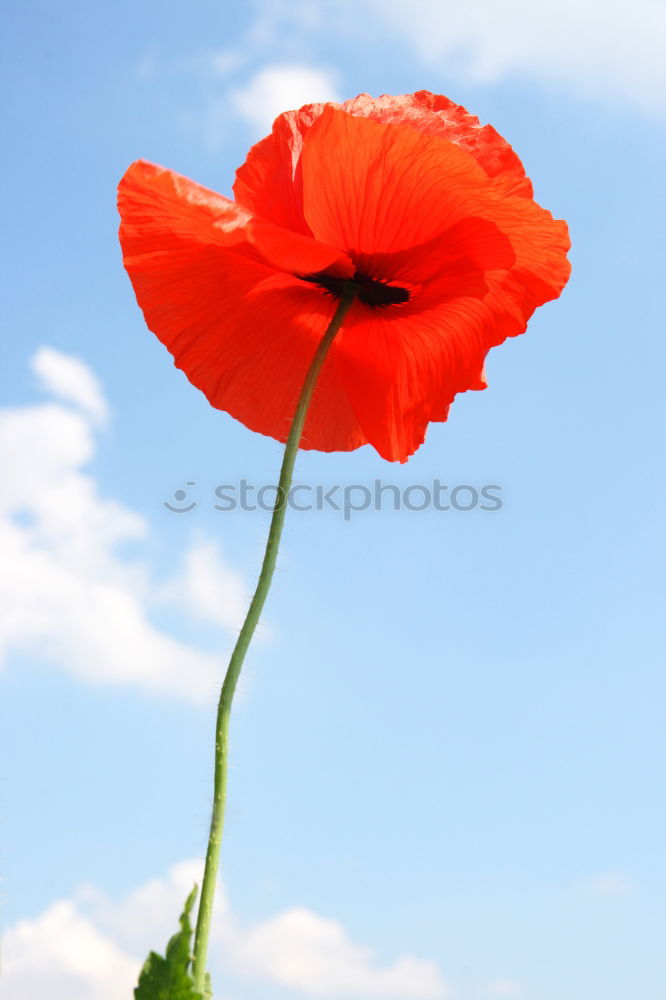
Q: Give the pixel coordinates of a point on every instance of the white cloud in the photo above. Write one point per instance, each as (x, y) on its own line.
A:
(230, 87)
(63, 956)
(281, 88)
(90, 948)
(612, 50)
(207, 589)
(147, 917)
(71, 380)
(66, 594)
(301, 950)
(608, 49)
(288, 24)
(505, 988)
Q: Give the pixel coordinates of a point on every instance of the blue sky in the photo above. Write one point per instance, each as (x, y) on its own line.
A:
(447, 747)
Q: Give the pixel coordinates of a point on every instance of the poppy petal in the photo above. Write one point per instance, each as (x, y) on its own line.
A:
(269, 182)
(409, 205)
(493, 257)
(402, 367)
(167, 207)
(242, 332)
(410, 192)
(433, 114)
(403, 370)
(387, 187)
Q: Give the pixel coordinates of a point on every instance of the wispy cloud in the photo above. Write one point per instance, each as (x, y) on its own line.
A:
(71, 380)
(66, 594)
(595, 52)
(89, 948)
(256, 97)
(207, 589)
(299, 949)
(609, 51)
(63, 956)
(274, 89)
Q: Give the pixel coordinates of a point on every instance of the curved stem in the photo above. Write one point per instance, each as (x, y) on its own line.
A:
(236, 662)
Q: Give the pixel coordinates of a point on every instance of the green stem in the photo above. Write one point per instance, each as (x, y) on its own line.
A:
(236, 662)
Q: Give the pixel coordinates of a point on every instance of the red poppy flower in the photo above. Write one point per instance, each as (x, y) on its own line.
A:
(429, 212)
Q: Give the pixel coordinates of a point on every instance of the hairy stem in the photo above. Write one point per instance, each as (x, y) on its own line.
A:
(236, 662)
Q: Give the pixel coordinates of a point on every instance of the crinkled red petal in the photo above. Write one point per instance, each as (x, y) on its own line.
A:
(269, 183)
(242, 331)
(433, 114)
(419, 212)
(410, 190)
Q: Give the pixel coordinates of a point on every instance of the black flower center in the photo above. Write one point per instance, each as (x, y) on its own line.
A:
(371, 291)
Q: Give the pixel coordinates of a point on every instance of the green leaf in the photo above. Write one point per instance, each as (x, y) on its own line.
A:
(169, 978)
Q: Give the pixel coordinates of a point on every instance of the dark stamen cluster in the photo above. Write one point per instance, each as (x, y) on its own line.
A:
(371, 291)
